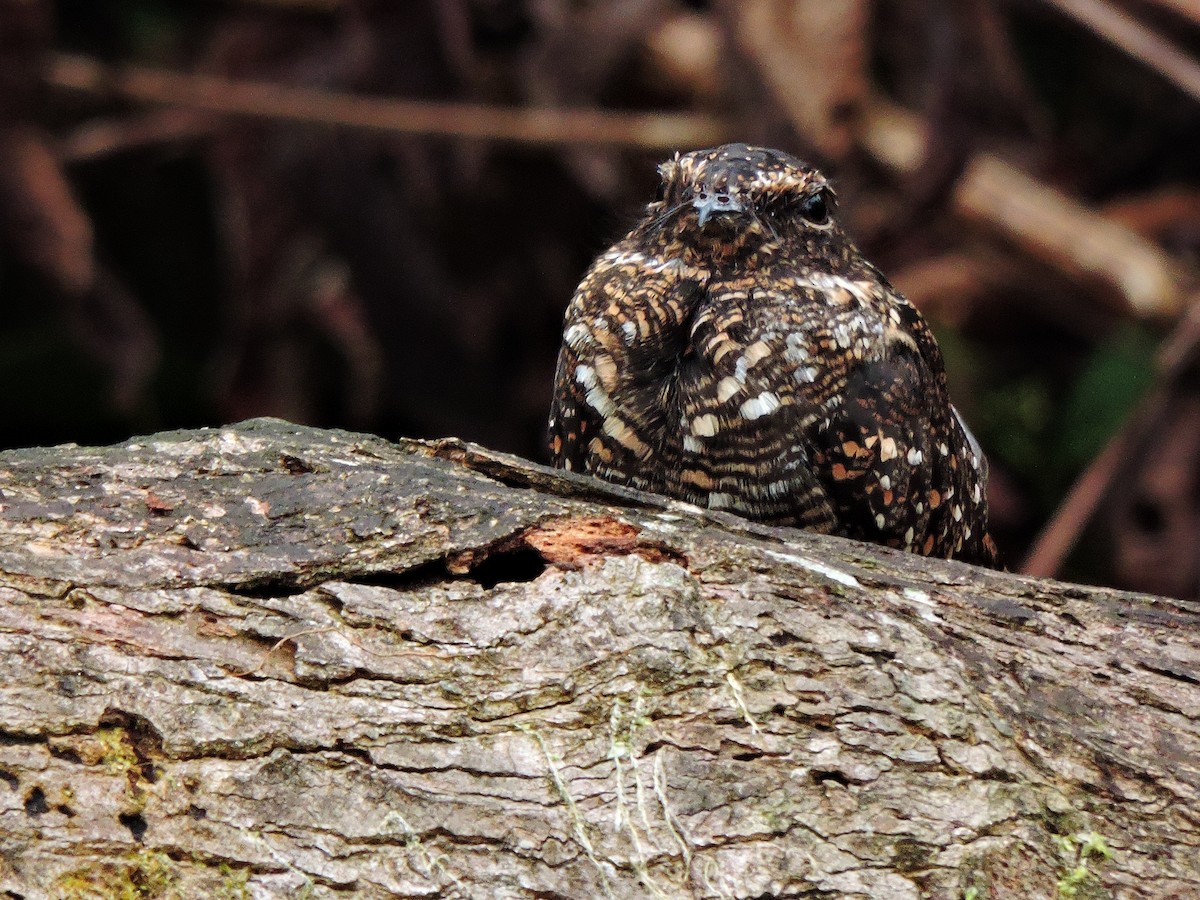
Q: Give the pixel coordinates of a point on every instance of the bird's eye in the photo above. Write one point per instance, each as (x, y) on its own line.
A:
(815, 208)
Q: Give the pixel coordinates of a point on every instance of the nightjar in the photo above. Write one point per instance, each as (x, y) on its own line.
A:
(736, 351)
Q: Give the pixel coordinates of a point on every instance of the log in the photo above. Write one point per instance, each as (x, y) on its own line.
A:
(274, 661)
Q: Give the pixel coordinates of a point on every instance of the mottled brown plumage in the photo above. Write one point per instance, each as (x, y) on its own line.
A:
(735, 350)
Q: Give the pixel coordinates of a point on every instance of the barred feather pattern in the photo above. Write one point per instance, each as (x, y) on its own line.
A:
(736, 351)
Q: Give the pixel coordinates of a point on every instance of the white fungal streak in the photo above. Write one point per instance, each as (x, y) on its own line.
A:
(692, 445)
(706, 425)
(820, 568)
(924, 602)
(762, 405)
(915, 456)
(727, 387)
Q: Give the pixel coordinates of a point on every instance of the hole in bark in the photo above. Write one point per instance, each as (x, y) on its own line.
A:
(269, 589)
(783, 638)
(67, 754)
(135, 823)
(8, 739)
(820, 776)
(35, 802)
(9, 778)
(879, 654)
(1072, 619)
(65, 810)
(295, 465)
(197, 812)
(521, 563)
(512, 563)
(749, 756)
(424, 575)
(144, 738)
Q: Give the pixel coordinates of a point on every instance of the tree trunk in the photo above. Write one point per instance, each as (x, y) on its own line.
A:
(273, 661)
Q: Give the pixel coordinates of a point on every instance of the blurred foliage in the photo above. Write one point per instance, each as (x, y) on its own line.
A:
(1045, 433)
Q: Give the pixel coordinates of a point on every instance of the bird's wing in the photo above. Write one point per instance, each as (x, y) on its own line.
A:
(623, 333)
(896, 463)
(572, 420)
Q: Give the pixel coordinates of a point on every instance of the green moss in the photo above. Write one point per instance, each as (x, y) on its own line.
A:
(1082, 851)
(911, 856)
(117, 753)
(235, 883)
(146, 875)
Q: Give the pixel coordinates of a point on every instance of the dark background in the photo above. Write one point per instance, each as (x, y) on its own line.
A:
(163, 265)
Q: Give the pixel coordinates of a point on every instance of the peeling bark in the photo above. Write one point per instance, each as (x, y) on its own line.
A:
(272, 661)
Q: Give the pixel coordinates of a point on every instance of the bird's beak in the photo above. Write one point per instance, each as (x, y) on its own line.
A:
(716, 203)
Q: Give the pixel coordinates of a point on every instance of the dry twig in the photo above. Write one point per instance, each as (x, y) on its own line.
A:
(277, 102)
(1120, 29)
(1047, 224)
(1096, 482)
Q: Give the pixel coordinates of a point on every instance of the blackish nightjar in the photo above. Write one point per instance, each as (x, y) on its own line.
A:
(736, 351)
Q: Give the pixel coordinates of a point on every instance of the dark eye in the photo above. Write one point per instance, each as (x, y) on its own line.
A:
(815, 208)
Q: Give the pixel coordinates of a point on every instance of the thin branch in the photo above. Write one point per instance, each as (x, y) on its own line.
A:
(98, 139)
(1095, 483)
(1119, 28)
(283, 103)
(1186, 8)
(1059, 536)
(1046, 223)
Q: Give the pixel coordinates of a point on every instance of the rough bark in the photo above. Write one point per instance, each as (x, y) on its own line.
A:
(271, 661)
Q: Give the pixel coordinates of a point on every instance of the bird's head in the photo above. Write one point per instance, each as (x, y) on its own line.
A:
(733, 201)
